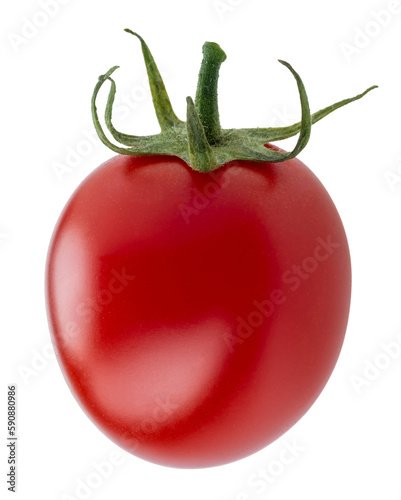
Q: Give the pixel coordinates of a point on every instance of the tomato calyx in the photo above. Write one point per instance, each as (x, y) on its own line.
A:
(200, 141)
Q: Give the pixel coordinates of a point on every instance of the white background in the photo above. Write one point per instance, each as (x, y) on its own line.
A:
(348, 444)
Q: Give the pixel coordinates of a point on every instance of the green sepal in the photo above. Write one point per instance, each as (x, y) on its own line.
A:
(161, 101)
(279, 133)
(200, 141)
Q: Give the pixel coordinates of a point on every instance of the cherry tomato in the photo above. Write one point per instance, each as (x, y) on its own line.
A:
(198, 283)
(197, 318)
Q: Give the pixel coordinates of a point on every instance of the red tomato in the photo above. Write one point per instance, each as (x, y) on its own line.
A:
(198, 316)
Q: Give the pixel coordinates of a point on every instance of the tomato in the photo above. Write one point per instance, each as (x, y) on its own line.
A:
(197, 319)
(198, 297)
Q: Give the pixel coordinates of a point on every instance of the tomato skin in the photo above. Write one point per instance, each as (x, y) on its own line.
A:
(197, 317)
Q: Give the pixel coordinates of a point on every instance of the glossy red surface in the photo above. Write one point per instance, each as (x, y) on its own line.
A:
(197, 317)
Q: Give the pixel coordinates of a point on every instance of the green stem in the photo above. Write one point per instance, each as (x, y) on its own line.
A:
(206, 92)
(201, 153)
